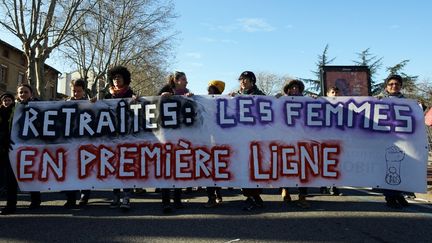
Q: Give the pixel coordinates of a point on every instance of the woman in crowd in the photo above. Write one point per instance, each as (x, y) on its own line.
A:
(119, 79)
(392, 89)
(78, 92)
(295, 88)
(215, 87)
(6, 109)
(176, 85)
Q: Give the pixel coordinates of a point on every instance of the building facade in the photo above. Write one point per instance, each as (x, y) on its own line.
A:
(13, 66)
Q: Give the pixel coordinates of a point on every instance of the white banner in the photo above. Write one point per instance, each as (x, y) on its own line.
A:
(245, 141)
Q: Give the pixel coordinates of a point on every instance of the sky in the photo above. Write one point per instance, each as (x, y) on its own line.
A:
(220, 39)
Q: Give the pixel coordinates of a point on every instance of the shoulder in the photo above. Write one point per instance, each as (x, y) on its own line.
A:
(257, 91)
(129, 93)
(165, 88)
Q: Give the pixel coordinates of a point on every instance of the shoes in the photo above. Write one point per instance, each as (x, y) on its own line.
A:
(324, 190)
(249, 204)
(402, 201)
(302, 202)
(70, 204)
(125, 203)
(335, 191)
(211, 203)
(83, 201)
(259, 203)
(285, 195)
(8, 210)
(116, 202)
(34, 205)
(219, 200)
(392, 203)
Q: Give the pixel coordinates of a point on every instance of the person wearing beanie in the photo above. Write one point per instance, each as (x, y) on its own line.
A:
(8, 177)
(7, 99)
(216, 87)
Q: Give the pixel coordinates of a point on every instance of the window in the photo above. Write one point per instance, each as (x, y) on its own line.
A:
(20, 78)
(6, 53)
(3, 73)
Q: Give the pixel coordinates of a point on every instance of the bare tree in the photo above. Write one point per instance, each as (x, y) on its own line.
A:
(270, 83)
(42, 26)
(124, 32)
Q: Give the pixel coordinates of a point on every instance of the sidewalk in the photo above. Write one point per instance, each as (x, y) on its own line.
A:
(427, 196)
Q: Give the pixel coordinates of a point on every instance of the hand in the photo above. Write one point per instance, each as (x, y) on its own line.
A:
(189, 94)
(232, 94)
(166, 94)
(93, 100)
(135, 99)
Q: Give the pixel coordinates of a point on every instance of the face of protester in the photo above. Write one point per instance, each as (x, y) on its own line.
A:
(245, 84)
(78, 92)
(294, 91)
(213, 90)
(24, 93)
(332, 93)
(181, 82)
(393, 87)
(7, 101)
(118, 81)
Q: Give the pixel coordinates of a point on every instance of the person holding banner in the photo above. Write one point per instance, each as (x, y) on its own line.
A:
(25, 95)
(215, 87)
(176, 85)
(10, 183)
(295, 88)
(331, 92)
(78, 88)
(248, 86)
(392, 89)
(119, 79)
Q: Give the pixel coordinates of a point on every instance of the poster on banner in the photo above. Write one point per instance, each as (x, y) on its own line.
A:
(245, 141)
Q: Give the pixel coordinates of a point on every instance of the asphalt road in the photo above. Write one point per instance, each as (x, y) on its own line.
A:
(357, 216)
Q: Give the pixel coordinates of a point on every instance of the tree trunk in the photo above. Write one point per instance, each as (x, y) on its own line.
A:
(41, 85)
(31, 74)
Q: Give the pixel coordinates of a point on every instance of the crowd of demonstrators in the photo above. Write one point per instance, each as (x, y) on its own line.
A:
(248, 86)
(119, 79)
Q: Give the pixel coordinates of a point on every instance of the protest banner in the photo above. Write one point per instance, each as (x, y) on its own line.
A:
(246, 141)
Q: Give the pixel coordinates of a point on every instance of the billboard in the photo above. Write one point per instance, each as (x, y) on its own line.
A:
(350, 80)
